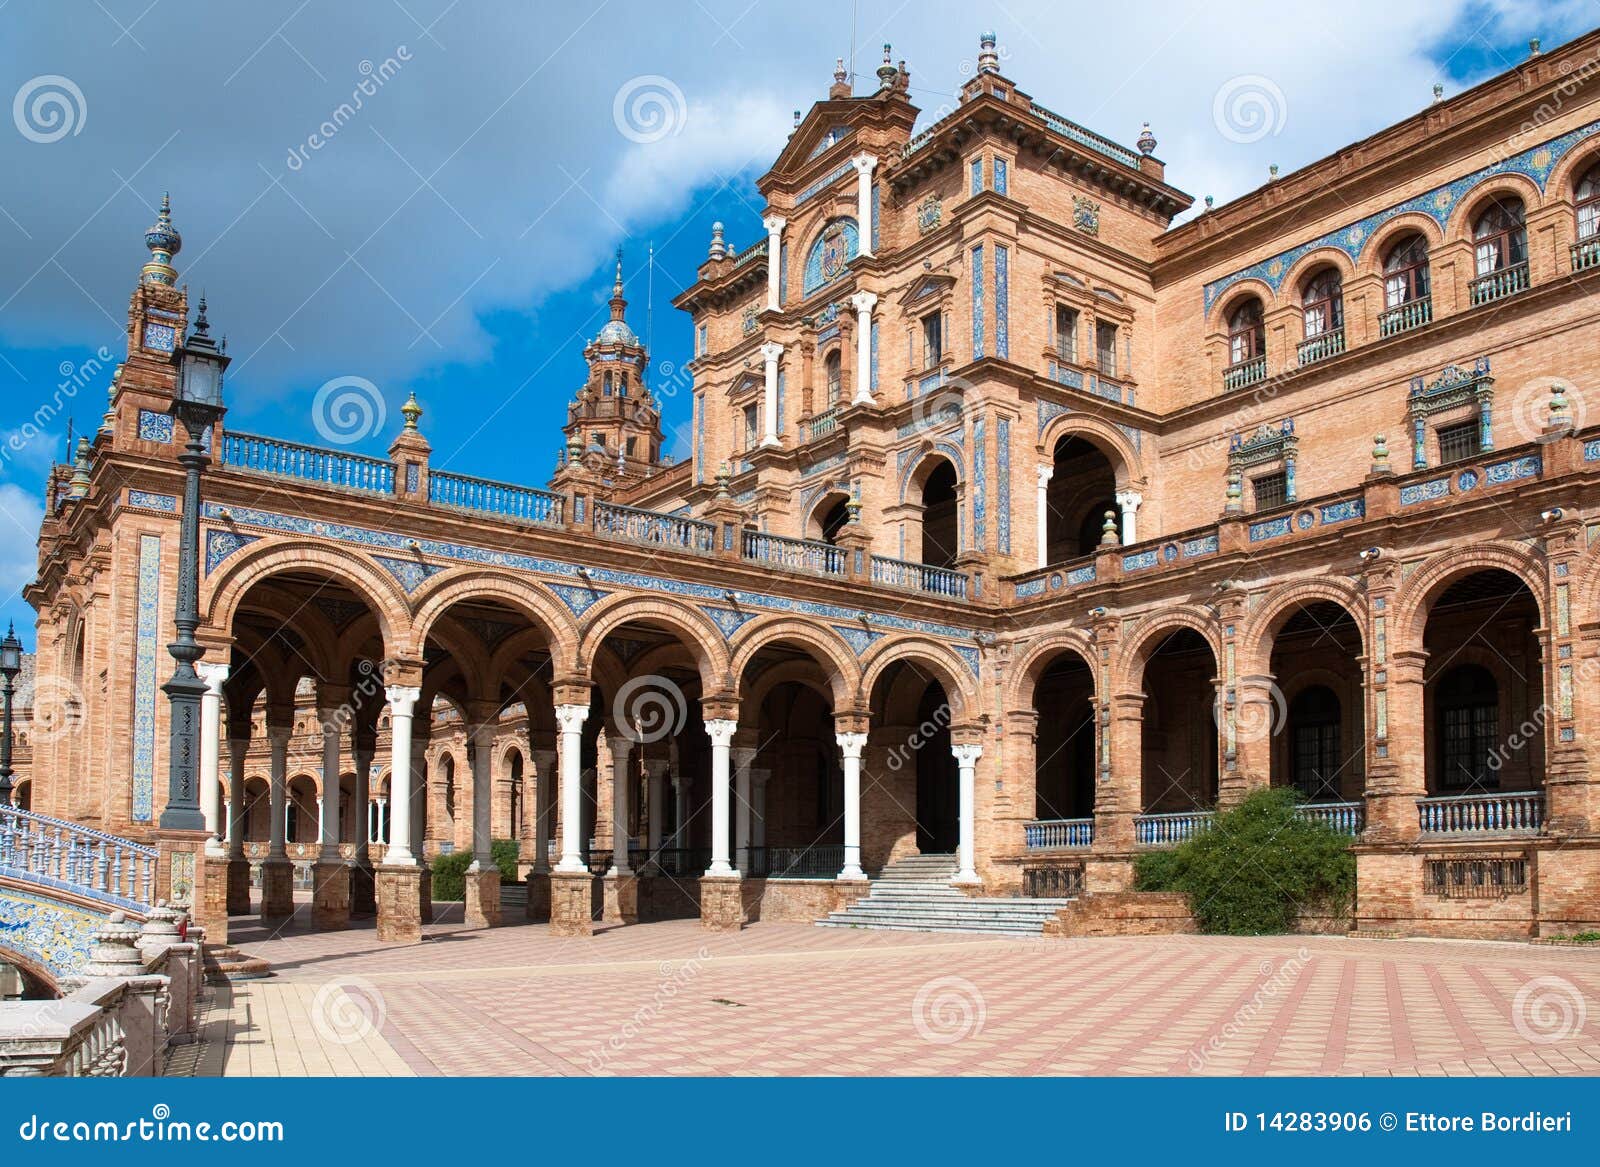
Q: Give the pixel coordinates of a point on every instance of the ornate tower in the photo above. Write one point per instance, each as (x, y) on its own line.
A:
(615, 421)
(158, 314)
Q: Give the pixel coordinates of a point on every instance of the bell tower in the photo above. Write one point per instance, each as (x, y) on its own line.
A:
(158, 314)
(615, 421)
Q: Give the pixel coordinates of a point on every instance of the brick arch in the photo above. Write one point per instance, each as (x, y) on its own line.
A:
(920, 468)
(1428, 582)
(1038, 657)
(522, 595)
(1564, 175)
(826, 647)
(945, 666)
(1471, 204)
(1126, 465)
(1381, 240)
(692, 628)
(807, 671)
(221, 594)
(1327, 256)
(1237, 293)
(1145, 636)
(1281, 603)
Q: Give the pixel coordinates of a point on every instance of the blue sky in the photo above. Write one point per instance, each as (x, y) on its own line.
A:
(454, 235)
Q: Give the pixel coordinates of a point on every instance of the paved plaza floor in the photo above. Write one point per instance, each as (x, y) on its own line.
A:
(668, 998)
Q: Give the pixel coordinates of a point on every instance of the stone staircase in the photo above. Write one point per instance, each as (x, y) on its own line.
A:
(914, 895)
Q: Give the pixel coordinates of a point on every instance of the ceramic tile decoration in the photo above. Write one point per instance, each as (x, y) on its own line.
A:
(146, 641)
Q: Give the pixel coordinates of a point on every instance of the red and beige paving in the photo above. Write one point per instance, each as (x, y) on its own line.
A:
(667, 998)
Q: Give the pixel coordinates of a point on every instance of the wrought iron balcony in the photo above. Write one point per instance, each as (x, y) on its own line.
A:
(1058, 834)
(1245, 373)
(1320, 348)
(1514, 812)
(1168, 830)
(817, 861)
(1497, 285)
(1405, 317)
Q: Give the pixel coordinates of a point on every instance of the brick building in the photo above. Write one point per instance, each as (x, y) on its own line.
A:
(1020, 526)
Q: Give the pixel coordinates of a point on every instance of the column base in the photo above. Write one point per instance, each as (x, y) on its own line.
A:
(238, 887)
(483, 898)
(538, 908)
(211, 899)
(330, 895)
(621, 899)
(363, 890)
(571, 896)
(425, 893)
(277, 889)
(721, 903)
(399, 904)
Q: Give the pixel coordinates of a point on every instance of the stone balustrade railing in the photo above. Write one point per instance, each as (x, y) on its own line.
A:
(1585, 254)
(68, 857)
(1345, 817)
(794, 554)
(921, 577)
(1497, 285)
(503, 500)
(1320, 348)
(310, 463)
(1405, 317)
(1520, 811)
(1168, 830)
(653, 529)
(1058, 834)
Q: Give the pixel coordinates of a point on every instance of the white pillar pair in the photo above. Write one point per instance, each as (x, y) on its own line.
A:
(721, 732)
(569, 723)
(210, 749)
(402, 705)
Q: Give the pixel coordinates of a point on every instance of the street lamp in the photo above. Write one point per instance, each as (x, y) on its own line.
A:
(10, 666)
(198, 407)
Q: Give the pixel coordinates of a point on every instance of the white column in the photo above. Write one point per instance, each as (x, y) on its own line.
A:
(742, 757)
(621, 748)
(361, 804)
(482, 796)
(758, 807)
(863, 303)
(321, 820)
(402, 701)
(238, 749)
(1129, 501)
(967, 758)
(328, 800)
(278, 753)
(569, 720)
(774, 225)
(851, 745)
(210, 750)
(770, 353)
(544, 764)
(1045, 474)
(227, 820)
(864, 164)
(680, 794)
(721, 733)
(419, 792)
(379, 834)
(656, 796)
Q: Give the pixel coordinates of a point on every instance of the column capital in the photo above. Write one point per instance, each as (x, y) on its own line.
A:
(774, 224)
(721, 731)
(570, 718)
(1129, 500)
(864, 163)
(851, 743)
(213, 673)
(620, 743)
(771, 352)
(1045, 473)
(967, 753)
(864, 302)
(402, 699)
(279, 734)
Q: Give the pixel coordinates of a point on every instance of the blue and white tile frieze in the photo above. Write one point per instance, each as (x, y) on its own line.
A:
(153, 502)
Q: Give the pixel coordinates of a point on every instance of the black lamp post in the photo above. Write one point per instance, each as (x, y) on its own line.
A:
(198, 407)
(10, 666)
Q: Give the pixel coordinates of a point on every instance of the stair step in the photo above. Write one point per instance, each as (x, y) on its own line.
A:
(914, 895)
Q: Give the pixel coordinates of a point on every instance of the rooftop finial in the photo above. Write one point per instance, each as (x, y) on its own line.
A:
(840, 89)
(719, 248)
(164, 242)
(1533, 47)
(616, 287)
(988, 58)
(1147, 141)
(1438, 93)
(886, 70)
(412, 412)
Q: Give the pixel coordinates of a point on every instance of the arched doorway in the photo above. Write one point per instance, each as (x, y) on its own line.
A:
(941, 519)
(1317, 716)
(1180, 747)
(1083, 487)
(938, 777)
(1064, 740)
(829, 517)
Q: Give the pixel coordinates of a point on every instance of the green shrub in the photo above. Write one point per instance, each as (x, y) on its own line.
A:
(450, 871)
(1257, 867)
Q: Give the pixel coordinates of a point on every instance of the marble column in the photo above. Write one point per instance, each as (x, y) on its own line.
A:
(771, 353)
(482, 738)
(213, 675)
(402, 702)
(863, 303)
(864, 164)
(967, 756)
(656, 796)
(721, 733)
(850, 746)
(238, 750)
(569, 720)
(544, 789)
(774, 225)
(1129, 501)
(1043, 523)
(621, 751)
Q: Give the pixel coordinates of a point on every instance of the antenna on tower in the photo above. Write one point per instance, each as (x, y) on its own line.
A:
(650, 299)
(855, 8)
(69, 439)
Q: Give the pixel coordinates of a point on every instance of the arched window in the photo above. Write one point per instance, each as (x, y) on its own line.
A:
(832, 250)
(1314, 760)
(832, 366)
(1467, 712)
(1322, 300)
(1405, 272)
(1586, 197)
(1500, 236)
(1247, 333)
(605, 385)
(833, 519)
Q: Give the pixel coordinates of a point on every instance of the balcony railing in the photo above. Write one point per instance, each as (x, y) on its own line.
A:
(1345, 817)
(292, 460)
(1586, 254)
(495, 498)
(1497, 285)
(1519, 811)
(1053, 882)
(823, 424)
(920, 577)
(1168, 830)
(73, 858)
(1245, 373)
(1320, 348)
(1405, 317)
(794, 554)
(650, 528)
(818, 861)
(1058, 834)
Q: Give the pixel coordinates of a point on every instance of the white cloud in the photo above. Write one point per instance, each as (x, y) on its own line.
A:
(20, 515)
